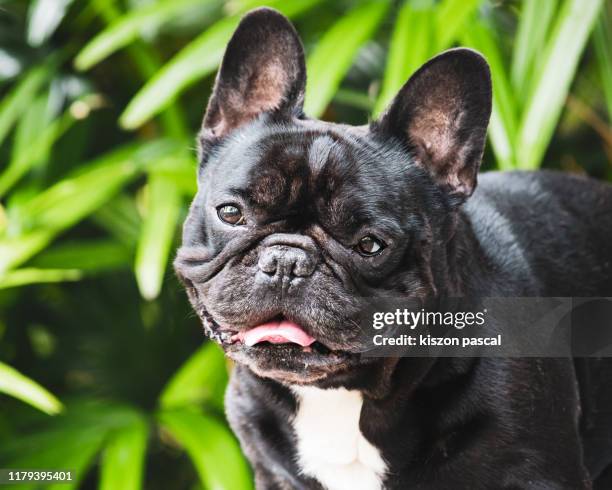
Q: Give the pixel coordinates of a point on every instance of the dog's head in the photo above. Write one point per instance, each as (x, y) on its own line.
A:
(296, 221)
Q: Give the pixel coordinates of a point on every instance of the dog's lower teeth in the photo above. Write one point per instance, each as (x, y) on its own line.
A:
(209, 329)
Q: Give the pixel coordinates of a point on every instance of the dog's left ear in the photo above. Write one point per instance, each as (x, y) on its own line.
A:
(263, 70)
(441, 115)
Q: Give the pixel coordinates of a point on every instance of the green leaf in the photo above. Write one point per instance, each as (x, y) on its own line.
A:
(450, 17)
(73, 450)
(68, 201)
(339, 44)
(560, 61)
(43, 18)
(184, 178)
(213, 450)
(148, 63)
(158, 229)
(13, 383)
(124, 456)
(30, 275)
(32, 122)
(15, 250)
(410, 47)
(503, 125)
(354, 98)
(94, 183)
(201, 379)
(34, 224)
(120, 217)
(128, 28)
(18, 99)
(602, 38)
(28, 154)
(3, 220)
(196, 60)
(88, 256)
(11, 65)
(422, 29)
(69, 441)
(534, 24)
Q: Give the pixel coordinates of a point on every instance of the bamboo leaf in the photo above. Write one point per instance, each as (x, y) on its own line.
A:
(339, 44)
(22, 94)
(36, 223)
(124, 456)
(354, 98)
(10, 64)
(88, 256)
(3, 220)
(13, 383)
(147, 62)
(560, 61)
(32, 122)
(70, 441)
(213, 450)
(158, 228)
(128, 28)
(534, 25)
(410, 46)
(421, 30)
(450, 17)
(73, 450)
(26, 155)
(603, 50)
(16, 250)
(503, 125)
(121, 219)
(62, 205)
(68, 201)
(183, 177)
(43, 18)
(196, 60)
(202, 378)
(30, 275)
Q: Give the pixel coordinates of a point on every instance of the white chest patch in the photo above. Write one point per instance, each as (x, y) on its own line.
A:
(330, 445)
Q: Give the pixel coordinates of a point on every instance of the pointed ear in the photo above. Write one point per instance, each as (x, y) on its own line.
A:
(262, 70)
(441, 115)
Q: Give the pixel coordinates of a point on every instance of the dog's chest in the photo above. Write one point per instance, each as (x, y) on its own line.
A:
(330, 446)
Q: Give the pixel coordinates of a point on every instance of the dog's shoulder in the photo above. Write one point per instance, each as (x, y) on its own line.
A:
(547, 229)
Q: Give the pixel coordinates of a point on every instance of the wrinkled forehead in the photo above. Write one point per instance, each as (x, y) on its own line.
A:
(285, 169)
(269, 164)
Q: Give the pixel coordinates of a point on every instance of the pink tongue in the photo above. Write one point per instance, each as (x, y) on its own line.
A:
(276, 332)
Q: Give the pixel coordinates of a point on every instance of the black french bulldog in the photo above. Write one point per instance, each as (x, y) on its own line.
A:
(296, 219)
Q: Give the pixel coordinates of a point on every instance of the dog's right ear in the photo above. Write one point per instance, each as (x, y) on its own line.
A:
(441, 116)
(263, 70)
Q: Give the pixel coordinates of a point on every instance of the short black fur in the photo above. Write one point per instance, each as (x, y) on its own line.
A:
(309, 190)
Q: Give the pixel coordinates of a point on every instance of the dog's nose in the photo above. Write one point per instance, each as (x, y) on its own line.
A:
(286, 261)
(286, 257)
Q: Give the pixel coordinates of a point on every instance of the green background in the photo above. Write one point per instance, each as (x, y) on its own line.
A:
(103, 367)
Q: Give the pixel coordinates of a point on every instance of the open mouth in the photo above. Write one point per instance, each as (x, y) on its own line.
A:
(280, 348)
(279, 334)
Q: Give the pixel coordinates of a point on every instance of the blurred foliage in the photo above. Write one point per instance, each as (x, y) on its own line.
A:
(100, 101)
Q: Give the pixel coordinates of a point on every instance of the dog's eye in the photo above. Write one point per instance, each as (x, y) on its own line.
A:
(370, 245)
(230, 214)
